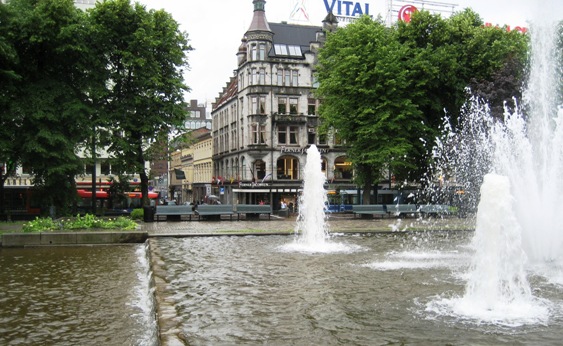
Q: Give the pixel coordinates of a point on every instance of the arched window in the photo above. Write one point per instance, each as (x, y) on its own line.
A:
(259, 169)
(342, 168)
(287, 168)
(243, 168)
(324, 165)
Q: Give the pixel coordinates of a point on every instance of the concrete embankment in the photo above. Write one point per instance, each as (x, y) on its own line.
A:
(71, 238)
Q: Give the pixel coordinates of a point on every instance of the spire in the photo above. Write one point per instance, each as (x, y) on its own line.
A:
(330, 23)
(259, 22)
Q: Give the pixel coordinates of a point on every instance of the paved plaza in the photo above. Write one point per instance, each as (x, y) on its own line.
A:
(280, 225)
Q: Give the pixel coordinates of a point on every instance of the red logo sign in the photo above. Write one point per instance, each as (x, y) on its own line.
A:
(405, 13)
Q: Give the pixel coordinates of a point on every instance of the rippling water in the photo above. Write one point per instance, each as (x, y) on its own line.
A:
(252, 290)
(76, 296)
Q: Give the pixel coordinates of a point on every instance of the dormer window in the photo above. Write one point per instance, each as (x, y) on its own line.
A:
(288, 50)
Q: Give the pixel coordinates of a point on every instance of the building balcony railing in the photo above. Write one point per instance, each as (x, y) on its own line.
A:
(290, 118)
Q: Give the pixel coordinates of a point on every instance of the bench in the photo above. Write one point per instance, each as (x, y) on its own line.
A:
(210, 210)
(173, 210)
(399, 209)
(434, 209)
(369, 209)
(253, 210)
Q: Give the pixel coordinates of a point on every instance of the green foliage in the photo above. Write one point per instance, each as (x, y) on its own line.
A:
(86, 222)
(40, 225)
(385, 89)
(139, 85)
(113, 74)
(137, 214)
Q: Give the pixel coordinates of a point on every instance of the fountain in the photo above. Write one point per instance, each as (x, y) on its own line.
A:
(311, 228)
(518, 229)
(395, 288)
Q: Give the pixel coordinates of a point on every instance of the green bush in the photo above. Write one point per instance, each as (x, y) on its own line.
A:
(137, 214)
(39, 225)
(85, 222)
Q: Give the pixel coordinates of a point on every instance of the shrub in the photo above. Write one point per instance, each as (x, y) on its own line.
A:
(85, 222)
(39, 225)
(137, 214)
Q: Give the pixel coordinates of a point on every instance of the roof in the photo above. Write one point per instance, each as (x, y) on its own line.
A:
(301, 35)
(293, 35)
(228, 93)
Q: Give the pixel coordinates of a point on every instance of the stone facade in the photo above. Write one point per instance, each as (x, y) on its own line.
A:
(267, 117)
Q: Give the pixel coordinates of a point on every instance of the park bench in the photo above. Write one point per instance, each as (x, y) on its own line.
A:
(253, 210)
(369, 209)
(177, 211)
(434, 209)
(402, 209)
(214, 211)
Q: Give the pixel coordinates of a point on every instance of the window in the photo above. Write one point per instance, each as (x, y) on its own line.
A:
(253, 52)
(323, 139)
(258, 133)
(287, 50)
(288, 135)
(311, 135)
(280, 49)
(293, 134)
(262, 76)
(282, 135)
(312, 107)
(293, 105)
(243, 167)
(287, 168)
(287, 77)
(262, 51)
(282, 105)
(258, 104)
(260, 169)
(342, 168)
(288, 105)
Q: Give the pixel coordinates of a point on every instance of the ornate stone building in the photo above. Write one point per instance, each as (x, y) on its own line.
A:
(267, 116)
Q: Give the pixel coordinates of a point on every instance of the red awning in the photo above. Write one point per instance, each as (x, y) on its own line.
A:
(88, 194)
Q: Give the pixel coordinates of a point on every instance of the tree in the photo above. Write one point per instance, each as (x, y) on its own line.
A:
(47, 108)
(9, 155)
(385, 90)
(139, 85)
(366, 91)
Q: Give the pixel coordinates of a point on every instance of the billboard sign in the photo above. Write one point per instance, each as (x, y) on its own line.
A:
(347, 11)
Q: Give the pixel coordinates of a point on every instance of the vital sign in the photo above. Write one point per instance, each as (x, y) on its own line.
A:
(346, 10)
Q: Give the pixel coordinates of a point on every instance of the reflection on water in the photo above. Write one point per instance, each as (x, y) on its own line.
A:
(76, 296)
(252, 290)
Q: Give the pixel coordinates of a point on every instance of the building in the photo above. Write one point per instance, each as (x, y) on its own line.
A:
(191, 167)
(203, 165)
(164, 182)
(267, 116)
(197, 116)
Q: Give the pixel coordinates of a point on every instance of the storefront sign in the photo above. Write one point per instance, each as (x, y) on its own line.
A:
(299, 150)
(254, 185)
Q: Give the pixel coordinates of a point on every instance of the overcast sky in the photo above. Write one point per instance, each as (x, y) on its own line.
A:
(215, 27)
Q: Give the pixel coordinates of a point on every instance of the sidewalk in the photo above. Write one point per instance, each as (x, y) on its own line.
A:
(277, 225)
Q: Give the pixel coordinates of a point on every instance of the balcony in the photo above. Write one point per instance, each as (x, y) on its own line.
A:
(290, 118)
